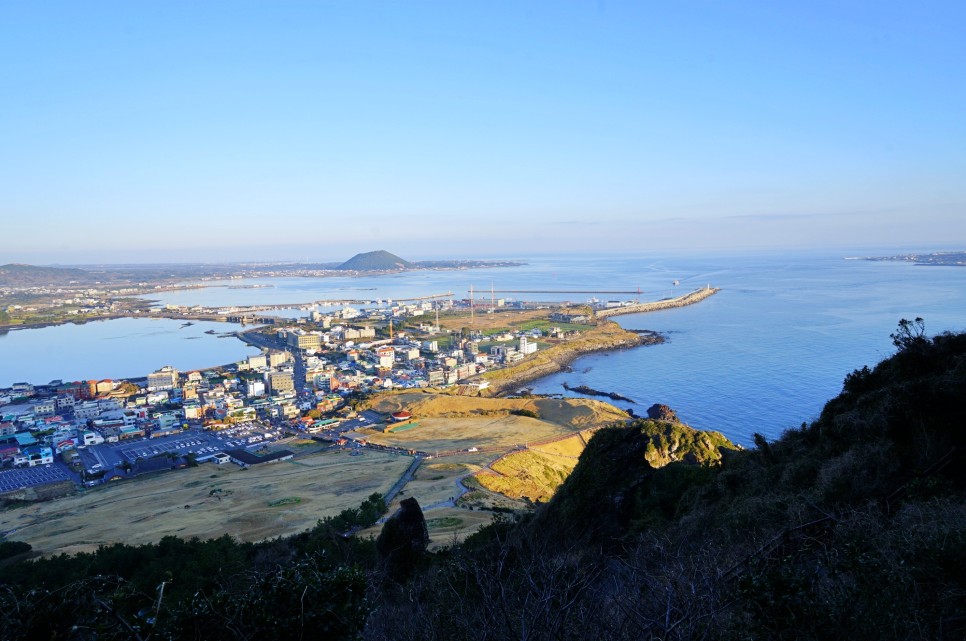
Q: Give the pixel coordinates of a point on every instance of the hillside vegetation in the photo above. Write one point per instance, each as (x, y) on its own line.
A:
(17, 275)
(538, 472)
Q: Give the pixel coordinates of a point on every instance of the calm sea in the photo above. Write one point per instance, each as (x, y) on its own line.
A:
(763, 355)
(118, 348)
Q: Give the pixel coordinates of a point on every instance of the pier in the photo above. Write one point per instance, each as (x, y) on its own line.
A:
(696, 296)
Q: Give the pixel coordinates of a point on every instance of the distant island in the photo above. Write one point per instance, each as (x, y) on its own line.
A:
(384, 261)
(949, 258)
(36, 296)
(380, 260)
(20, 276)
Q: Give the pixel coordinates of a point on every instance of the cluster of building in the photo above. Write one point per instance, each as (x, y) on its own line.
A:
(39, 424)
(339, 358)
(300, 379)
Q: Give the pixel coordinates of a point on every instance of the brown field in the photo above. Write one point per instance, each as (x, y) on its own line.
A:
(572, 447)
(494, 434)
(535, 474)
(449, 423)
(253, 504)
(574, 414)
(497, 320)
(433, 484)
(435, 480)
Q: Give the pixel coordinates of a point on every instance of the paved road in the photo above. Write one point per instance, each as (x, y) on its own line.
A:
(401, 483)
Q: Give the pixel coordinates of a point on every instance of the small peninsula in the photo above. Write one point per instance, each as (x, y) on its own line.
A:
(945, 258)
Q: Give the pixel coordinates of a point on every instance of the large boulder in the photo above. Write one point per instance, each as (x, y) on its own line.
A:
(403, 539)
(659, 412)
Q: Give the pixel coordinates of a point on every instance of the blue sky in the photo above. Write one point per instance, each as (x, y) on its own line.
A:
(183, 131)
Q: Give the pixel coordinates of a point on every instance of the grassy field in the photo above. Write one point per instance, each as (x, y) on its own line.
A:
(536, 473)
(434, 484)
(448, 423)
(500, 319)
(573, 413)
(435, 480)
(207, 501)
(571, 447)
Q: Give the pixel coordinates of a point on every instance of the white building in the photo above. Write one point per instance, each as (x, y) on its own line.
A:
(526, 347)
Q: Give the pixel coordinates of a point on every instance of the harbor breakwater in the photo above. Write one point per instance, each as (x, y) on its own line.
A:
(696, 296)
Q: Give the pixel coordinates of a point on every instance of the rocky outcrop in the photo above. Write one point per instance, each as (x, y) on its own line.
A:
(660, 412)
(589, 391)
(403, 540)
(614, 474)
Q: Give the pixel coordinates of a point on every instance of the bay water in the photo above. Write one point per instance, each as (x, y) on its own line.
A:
(763, 355)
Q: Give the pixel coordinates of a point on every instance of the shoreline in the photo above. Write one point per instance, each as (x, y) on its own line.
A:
(605, 337)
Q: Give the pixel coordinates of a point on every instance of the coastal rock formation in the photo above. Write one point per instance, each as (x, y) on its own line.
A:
(589, 391)
(660, 412)
(612, 477)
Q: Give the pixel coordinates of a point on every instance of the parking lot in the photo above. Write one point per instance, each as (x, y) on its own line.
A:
(15, 479)
(200, 443)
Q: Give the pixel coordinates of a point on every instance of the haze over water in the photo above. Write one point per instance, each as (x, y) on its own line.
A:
(763, 355)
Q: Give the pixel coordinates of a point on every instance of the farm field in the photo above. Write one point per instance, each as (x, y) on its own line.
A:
(207, 501)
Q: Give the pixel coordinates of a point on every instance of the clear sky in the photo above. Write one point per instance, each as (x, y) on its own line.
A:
(183, 131)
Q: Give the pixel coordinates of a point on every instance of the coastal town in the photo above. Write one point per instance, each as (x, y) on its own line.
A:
(302, 384)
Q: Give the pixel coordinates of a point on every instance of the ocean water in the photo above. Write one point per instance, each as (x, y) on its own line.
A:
(117, 348)
(763, 355)
(767, 352)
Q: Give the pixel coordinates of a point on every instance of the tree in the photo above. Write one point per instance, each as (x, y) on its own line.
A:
(911, 334)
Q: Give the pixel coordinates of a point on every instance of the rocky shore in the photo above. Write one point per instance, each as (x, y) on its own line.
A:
(605, 337)
(589, 391)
